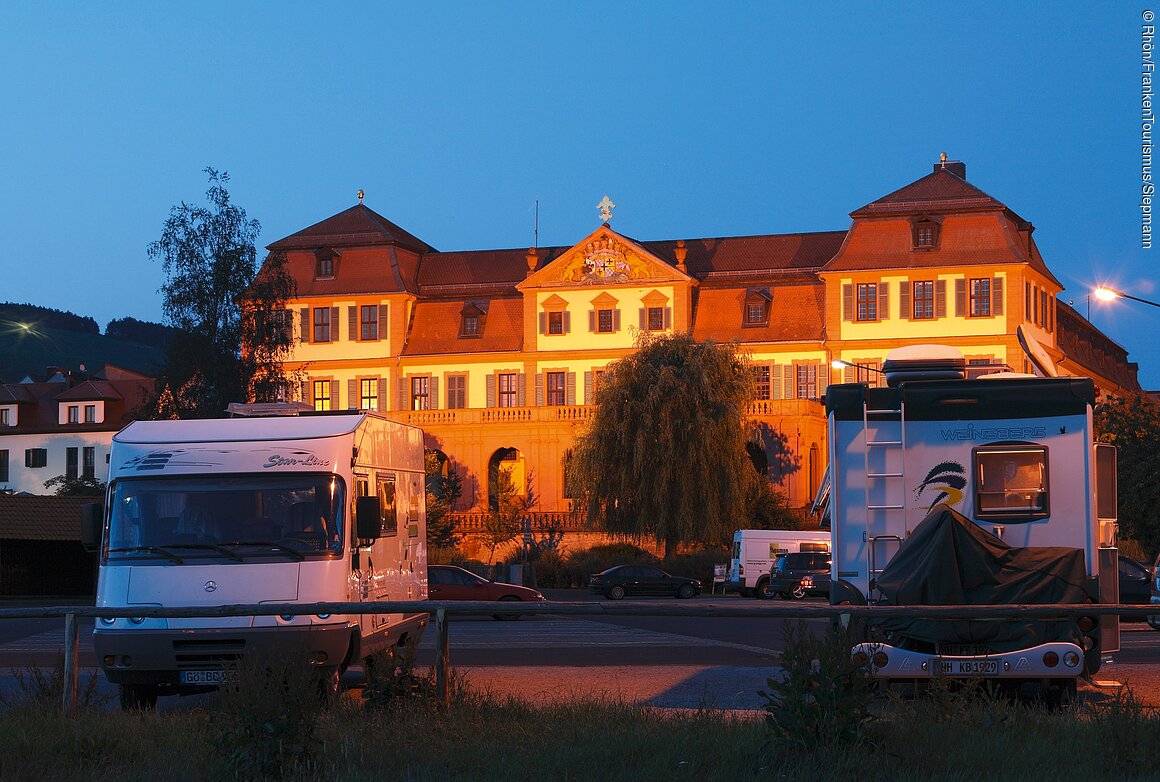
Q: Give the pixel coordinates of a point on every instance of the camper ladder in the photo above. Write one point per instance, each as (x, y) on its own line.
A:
(886, 517)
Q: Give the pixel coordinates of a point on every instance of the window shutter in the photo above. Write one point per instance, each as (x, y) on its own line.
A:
(352, 396)
(304, 322)
(288, 326)
(382, 394)
(305, 388)
(668, 317)
(433, 393)
(883, 300)
(940, 298)
(521, 390)
(592, 320)
(335, 314)
(353, 332)
(402, 402)
(334, 403)
(847, 302)
(382, 321)
(848, 375)
(643, 319)
(823, 379)
(775, 381)
(491, 390)
(567, 322)
(790, 381)
(904, 308)
(616, 320)
(543, 323)
(588, 389)
(960, 298)
(539, 389)
(996, 295)
(570, 388)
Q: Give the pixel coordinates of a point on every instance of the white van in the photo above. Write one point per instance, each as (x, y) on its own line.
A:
(288, 509)
(754, 551)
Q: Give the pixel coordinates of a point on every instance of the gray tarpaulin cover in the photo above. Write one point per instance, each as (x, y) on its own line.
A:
(947, 560)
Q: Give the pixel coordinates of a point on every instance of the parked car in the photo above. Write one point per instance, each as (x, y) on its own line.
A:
(1135, 582)
(642, 581)
(448, 582)
(1154, 598)
(791, 569)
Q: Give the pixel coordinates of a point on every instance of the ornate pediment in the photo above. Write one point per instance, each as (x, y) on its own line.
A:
(604, 258)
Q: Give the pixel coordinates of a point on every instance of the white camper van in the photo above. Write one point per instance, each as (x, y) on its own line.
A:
(289, 509)
(754, 551)
(941, 485)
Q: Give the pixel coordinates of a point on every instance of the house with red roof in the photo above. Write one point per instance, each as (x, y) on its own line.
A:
(497, 354)
(63, 424)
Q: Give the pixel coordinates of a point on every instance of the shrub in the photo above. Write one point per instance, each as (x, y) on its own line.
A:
(39, 687)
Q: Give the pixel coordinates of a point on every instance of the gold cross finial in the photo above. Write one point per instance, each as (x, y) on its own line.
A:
(360, 195)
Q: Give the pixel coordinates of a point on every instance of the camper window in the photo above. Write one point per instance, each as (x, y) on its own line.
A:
(1011, 482)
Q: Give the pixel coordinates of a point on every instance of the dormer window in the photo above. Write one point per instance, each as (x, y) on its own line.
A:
(471, 319)
(757, 302)
(924, 233)
(324, 263)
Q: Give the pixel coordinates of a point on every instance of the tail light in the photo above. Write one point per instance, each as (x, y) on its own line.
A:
(1050, 659)
(880, 659)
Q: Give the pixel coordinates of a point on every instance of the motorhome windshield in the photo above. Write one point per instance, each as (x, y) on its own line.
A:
(238, 518)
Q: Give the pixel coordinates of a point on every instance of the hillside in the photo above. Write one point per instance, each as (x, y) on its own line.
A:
(30, 352)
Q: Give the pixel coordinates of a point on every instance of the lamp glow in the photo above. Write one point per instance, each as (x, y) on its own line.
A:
(1105, 294)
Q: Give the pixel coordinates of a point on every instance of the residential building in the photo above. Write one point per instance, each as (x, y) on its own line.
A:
(64, 424)
(497, 354)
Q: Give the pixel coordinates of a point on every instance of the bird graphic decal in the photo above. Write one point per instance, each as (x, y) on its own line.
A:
(948, 480)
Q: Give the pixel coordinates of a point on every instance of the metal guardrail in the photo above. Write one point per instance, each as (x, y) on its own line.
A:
(443, 609)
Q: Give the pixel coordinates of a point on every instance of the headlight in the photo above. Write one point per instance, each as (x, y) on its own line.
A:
(108, 621)
(286, 617)
(137, 619)
(320, 616)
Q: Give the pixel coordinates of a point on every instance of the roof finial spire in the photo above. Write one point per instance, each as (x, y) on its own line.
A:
(942, 158)
(605, 206)
(360, 192)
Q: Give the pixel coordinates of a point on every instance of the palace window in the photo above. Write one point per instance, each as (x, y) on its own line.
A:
(980, 297)
(807, 381)
(456, 391)
(507, 392)
(604, 321)
(555, 322)
(322, 324)
(369, 322)
(368, 393)
(420, 398)
(557, 388)
(923, 301)
(322, 395)
(924, 233)
(656, 318)
(761, 378)
(324, 263)
(867, 301)
(756, 307)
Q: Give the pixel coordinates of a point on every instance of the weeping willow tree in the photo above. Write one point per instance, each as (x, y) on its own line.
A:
(664, 455)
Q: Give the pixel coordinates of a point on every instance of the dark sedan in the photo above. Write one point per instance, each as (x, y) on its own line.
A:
(642, 581)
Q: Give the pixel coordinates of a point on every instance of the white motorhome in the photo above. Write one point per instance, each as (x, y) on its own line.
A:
(1010, 464)
(754, 551)
(289, 509)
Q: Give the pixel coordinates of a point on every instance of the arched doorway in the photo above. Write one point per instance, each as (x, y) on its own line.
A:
(511, 461)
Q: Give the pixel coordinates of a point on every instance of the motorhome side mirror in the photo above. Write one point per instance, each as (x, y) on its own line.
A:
(92, 521)
(368, 518)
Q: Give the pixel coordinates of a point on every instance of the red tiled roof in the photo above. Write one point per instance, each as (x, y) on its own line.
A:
(361, 270)
(939, 191)
(740, 254)
(41, 518)
(436, 327)
(491, 269)
(796, 315)
(88, 391)
(357, 226)
(1088, 347)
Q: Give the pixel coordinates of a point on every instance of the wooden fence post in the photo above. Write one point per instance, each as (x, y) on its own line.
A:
(442, 650)
(71, 660)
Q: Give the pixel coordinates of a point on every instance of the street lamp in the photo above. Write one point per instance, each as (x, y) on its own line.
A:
(840, 364)
(1111, 294)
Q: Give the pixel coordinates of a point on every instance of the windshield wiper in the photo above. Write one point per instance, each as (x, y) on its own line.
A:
(294, 554)
(209, 547)
(152, 550)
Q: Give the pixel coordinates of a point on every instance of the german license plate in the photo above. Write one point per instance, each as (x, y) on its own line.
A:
(969, 667)
(206, 677)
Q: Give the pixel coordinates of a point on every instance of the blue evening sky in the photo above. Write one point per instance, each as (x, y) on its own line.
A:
(698, 119)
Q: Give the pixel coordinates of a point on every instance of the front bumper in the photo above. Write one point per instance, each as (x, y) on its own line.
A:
(1032, 663)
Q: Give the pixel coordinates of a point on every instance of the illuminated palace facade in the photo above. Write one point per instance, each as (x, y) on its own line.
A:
(496, 354)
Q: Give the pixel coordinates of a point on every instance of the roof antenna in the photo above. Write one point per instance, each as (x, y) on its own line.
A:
(536, 226)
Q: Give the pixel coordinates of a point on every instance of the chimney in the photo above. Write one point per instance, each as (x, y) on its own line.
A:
(953, 166)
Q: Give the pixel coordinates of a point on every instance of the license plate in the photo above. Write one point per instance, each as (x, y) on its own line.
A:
(969, 667)
(206, 677)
